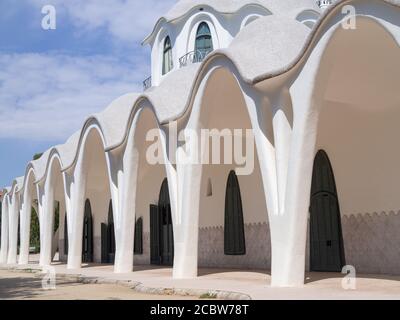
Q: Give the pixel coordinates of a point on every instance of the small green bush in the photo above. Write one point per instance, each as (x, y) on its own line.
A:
(208, 295)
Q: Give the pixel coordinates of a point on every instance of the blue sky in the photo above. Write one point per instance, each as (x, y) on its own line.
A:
(51, 80)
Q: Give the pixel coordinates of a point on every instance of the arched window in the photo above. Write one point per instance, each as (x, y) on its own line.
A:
(204, 44)
(168, 64)
(234, 238)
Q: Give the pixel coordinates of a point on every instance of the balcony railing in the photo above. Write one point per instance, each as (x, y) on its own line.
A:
(324, 3)
(147, 84)
(193, 57)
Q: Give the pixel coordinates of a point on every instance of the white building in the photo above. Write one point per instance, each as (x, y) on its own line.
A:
(320, 92)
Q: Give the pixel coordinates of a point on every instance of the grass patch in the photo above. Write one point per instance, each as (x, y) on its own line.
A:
(208, 295)
(29, 270)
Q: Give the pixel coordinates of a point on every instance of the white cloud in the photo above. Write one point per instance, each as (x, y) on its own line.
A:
(126, 20)
(47, 97)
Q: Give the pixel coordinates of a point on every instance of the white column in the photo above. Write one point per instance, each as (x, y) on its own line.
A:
(282, 139)
(123, 190)
(76, 186)
(187, 228)
(285, 263)
(25, 226)
(40, 213)
(4, 230)
(13, 229)
(291, 245)
(291, 236)
(48, 222)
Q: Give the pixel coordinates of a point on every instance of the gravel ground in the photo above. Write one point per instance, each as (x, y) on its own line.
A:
(17, 286)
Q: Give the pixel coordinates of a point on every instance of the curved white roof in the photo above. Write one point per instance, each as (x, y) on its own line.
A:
(17, 184)
(114, 120)
(278, 42)
(231, 6)
(6, 191)
(278, 7)
(267, 47)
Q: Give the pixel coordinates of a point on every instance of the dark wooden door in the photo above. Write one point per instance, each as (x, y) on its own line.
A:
(110, 235)
(65, 235)
(87, 239)
(326, 241)
(138, 242)
(166, 227)
(234, 236)
(167, 241)
(104, 243)
(161, 229)
(155, 257)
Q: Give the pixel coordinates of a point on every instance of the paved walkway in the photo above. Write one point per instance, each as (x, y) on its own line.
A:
(232, 284)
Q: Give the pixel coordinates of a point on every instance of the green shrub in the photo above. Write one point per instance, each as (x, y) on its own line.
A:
(208, 295)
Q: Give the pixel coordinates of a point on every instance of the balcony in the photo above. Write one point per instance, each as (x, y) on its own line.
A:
(193, 57)
(188, 59)
(324, 3)
(147, 84)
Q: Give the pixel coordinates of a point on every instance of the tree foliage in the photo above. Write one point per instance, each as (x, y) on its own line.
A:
(35, 231)
(37, 156)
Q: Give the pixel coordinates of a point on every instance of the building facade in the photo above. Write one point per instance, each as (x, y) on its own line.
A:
(309, 88)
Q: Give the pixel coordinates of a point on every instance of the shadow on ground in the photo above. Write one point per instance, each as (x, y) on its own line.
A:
(24, 287)
(319, 276)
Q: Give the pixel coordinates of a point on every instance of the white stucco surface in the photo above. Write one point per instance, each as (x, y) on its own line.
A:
(299, 86)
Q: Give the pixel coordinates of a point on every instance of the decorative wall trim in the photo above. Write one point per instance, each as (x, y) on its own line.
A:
(143, 259)
(372, 242)
(258, 248)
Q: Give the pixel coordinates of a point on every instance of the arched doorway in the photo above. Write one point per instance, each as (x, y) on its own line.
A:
(87, 239)
(161, 230)
(234, 238)
(326, 241)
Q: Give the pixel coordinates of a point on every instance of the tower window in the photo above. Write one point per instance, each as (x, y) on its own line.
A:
(204, 43)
